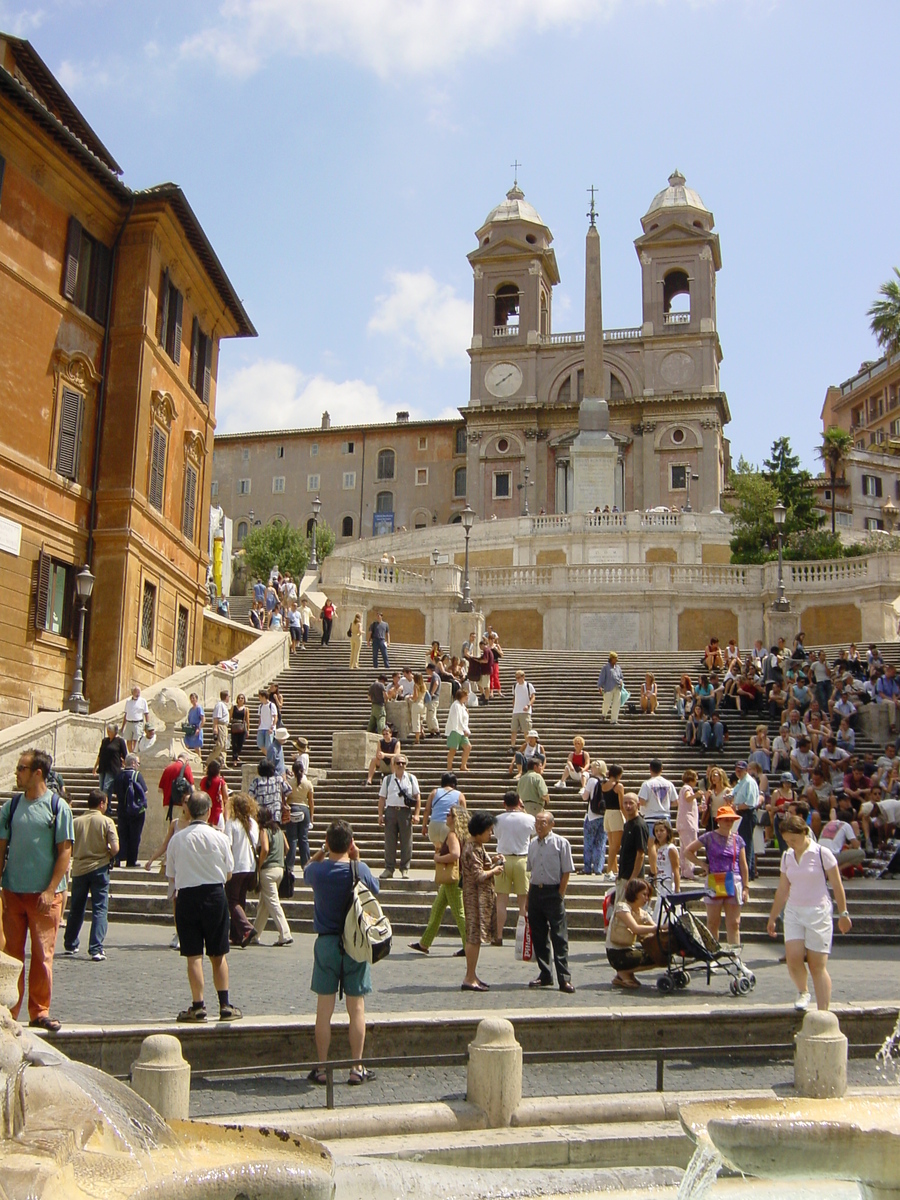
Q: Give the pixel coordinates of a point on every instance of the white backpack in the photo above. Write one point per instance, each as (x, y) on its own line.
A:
(367, 931)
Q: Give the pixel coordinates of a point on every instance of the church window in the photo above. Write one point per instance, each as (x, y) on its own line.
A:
(386, 462)
(384, 502)
(171, 313)
(678, 477)
(677, 436)
(501, 485)
(485, 240)
(616, 389)
(530, 239)
(503, 445)
(564, 395)
(347, 527)
(676, 298)
(506, 307)
(545, 324)
(86, 272)
(461, 441)
(242, 531)
(459, 483)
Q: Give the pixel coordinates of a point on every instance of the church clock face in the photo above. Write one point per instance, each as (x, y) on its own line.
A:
(503, 379)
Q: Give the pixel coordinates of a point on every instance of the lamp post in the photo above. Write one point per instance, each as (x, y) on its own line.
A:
(84, 585)
(523, 487)
(782, 603)
(691, 476)
(435, 555)
(317, 508)
(468, 520)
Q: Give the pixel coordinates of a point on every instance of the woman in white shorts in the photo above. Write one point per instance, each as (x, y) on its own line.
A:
(807, 869)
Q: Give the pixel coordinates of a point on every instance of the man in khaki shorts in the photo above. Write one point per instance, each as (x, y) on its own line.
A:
(523, 701)
(515, 829)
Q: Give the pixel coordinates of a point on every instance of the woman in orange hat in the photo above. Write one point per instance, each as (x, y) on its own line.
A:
(728, 877)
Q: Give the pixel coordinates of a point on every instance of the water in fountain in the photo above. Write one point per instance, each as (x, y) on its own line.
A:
(887, 1060)
(701, 1172)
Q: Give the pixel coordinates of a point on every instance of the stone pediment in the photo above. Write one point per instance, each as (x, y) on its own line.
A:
(510, 249)
(678, 233)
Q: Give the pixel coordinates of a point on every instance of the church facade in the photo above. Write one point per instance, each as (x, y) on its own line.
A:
(667, 412)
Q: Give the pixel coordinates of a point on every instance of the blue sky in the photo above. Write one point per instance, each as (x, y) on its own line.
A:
(341, 153)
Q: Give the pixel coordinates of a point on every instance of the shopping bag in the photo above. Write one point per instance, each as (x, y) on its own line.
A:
(524, 949)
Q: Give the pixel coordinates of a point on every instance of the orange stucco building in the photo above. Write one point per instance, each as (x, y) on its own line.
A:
(112, 308)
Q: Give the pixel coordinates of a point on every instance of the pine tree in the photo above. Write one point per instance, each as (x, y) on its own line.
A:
(793, 486)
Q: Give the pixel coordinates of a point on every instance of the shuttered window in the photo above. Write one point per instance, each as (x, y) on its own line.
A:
(68, 450)
(201, 361)
(190, 502)
(157, 488)
(171, 311)
(54, 596)
(86, 272)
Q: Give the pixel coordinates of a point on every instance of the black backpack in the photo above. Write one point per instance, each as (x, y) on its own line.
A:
(181, 787)
(596, 803)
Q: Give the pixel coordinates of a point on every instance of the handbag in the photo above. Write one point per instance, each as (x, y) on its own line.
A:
(286, 887)
(720, 885)
(446, 872)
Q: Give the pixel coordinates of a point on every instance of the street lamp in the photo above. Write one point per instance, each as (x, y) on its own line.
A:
(317, 508)
(523, 487)
(84, 585)
(435, 556)
(467, 517)
(691, 475)
(782, 603)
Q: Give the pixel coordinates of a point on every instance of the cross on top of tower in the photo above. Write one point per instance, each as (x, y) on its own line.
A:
(515, 166)
(593, 213)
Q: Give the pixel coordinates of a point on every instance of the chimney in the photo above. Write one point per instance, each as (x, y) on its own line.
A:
(402, 417)
(326, 420)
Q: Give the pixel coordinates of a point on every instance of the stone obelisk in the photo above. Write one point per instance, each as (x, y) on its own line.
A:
(593, 452)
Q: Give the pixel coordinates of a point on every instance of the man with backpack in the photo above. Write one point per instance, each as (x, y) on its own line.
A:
(96, 847)
(36, 836)
(331, 875)
(399, 801)
(130, 790)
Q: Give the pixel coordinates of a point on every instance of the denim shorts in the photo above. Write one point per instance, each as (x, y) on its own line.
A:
(328, 960)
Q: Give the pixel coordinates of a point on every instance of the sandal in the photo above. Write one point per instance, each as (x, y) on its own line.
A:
(418, 946)
(460, 953)
(317, 1075)
(46, 1022)
(192, 1015)
(363, 1075)
(230, 1012)
(631, 984)
(475, 987)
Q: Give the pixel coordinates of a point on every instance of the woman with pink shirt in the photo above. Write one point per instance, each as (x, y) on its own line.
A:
(807, 869)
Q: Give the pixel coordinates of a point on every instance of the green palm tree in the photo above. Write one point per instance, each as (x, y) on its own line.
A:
(885, 314)
(836, 446)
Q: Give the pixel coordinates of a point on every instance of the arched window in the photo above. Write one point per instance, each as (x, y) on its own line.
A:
(456, 519)
(459, 483)
(506, 306)
(384, 502)
(241, 531)
(347, 527)
(309, 526)
(385, 468)
(565, 391)
(676, 295)
(616, 390)
(420, 519)
(545, 324)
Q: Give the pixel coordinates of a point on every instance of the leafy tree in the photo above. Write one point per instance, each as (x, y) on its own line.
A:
(808, 544)
(268, 545)
(754, 524)
(836, 446)
(793, 486)
(325, 539)
(885, 314)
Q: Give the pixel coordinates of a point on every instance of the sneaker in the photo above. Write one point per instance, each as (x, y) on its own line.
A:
(386, 874)
(404, 874)
(802, 1002)
(98, 957)
(559, 784)
(71, 953)
(175, 944)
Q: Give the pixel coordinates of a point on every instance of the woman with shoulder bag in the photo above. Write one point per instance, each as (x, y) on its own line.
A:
(446, 876)
(272, 847)
(240, 727)
(242, 832)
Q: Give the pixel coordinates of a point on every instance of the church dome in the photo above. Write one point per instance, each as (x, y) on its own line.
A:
(514, 208)
(676, 195)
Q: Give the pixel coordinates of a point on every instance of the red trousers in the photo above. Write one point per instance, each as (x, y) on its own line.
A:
(21, 917)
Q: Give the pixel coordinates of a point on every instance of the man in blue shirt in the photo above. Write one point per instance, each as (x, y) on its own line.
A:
(36, 838)
(330, 876)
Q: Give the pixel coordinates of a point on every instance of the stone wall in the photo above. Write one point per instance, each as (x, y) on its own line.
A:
(697, 625)
(223, 639)
(831, 623)
(522, 628)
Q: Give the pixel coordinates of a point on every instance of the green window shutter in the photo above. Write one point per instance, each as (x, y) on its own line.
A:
(156, 490)
(190, 503)
(195, 354)
(73, 254)
(176, 332)
(207, 369)
(98, 296)
(163, 307)
(69, 448)
(42, 592)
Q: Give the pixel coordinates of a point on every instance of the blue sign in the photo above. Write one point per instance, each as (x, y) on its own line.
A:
(382, 523)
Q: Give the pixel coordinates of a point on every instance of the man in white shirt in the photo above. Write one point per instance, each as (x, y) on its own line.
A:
(838, 837)
(220, 727)
(523, 704)
(399, 801)
(406, 683)
(136, 712)
(745, 800)
(305, 621)
(268, 719)
(657, 795)
(199, 862)
(514, 828)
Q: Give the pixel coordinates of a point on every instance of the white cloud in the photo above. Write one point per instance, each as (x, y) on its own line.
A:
(270, 394)
(426, 315)
(21, 23)
(386, 36)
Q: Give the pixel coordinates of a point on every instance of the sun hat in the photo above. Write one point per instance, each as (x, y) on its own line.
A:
(281, 734)
(727, 813)
(533, 733)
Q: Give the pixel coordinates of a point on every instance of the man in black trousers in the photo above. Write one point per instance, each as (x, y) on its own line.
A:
(549, 865)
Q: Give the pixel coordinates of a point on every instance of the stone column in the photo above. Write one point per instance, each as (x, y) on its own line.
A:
(161, 1076)
(495, 1071)
(820, 1057)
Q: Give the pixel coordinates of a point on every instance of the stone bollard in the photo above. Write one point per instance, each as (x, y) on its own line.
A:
(820, 1057)
(160, 1076)
(495, 1071)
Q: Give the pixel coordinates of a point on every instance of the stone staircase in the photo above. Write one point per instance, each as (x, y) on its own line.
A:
(322, 695)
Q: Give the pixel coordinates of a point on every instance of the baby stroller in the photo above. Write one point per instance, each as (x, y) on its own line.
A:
(689, 939)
